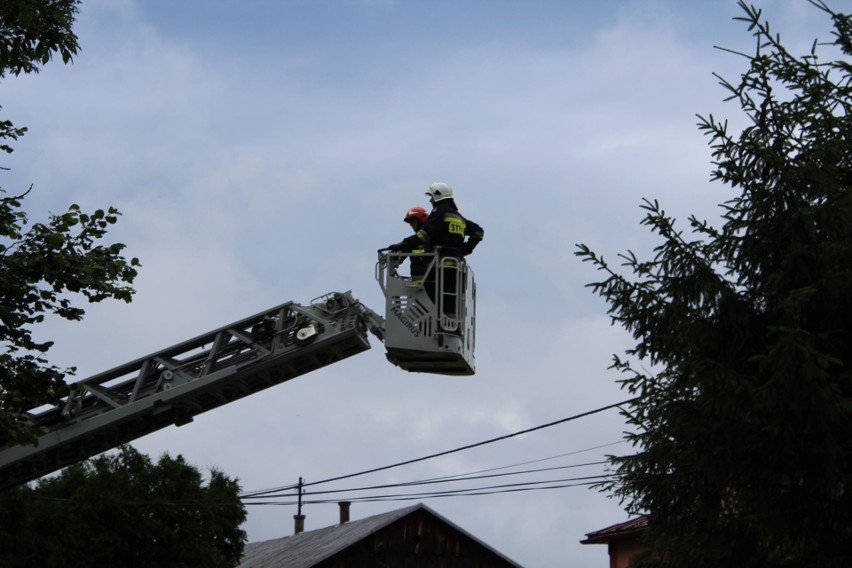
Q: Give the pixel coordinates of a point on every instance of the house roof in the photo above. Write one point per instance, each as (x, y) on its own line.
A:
(306, 549)
(631, 528)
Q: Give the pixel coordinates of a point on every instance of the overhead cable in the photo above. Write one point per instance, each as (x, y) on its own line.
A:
(473, 491)
(448, 452)
(432, 481)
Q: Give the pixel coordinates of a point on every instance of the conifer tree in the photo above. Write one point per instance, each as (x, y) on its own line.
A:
(742, 427)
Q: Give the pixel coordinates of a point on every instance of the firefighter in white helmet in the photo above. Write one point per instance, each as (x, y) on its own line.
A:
(445, 228)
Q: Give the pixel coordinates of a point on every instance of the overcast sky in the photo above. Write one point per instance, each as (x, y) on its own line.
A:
(261, 151)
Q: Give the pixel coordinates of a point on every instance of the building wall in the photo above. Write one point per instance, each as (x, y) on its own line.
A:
(621, 552)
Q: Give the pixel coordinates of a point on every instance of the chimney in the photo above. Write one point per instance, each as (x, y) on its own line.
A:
(300, 524)
(344, 511)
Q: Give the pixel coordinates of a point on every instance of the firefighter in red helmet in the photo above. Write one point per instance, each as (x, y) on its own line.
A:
(416, 218)
(417, 214)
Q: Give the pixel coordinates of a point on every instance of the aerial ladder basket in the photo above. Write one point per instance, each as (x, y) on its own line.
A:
(430, 320)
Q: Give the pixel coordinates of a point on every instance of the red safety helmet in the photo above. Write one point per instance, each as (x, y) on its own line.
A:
(418, 213)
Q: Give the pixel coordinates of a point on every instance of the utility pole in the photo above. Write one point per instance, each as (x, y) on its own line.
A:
(299, 518)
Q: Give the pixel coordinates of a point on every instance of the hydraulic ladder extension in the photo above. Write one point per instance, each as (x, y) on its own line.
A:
(175, 384)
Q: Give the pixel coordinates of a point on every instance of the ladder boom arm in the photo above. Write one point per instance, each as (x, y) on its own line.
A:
(175, 384)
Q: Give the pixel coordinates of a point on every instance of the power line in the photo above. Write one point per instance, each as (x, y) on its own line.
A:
(472, 491)
(534, 461)
(448, 452)
(478, 493)
(432, 481)
(478, 444)
(460, 478)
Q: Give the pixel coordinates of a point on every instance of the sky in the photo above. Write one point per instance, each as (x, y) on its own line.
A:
(261, 152)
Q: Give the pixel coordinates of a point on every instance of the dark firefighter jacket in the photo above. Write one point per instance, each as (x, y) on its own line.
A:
(448, 229)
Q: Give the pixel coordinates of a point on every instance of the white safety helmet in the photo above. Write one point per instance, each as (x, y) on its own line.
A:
(439, 190)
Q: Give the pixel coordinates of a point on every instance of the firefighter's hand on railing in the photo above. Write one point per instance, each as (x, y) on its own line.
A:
(392, 248)
(383, 256)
